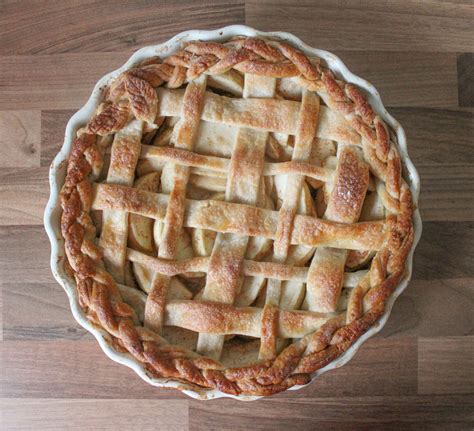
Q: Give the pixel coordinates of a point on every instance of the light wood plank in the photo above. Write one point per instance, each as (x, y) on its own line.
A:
(433, 308)
(338, 413)
(398, 25)
(19, 139)
(23, 193)
(70, 369)
(24, 255)
(427, 79)
(77, 414)
(446, 365)
(59, 27)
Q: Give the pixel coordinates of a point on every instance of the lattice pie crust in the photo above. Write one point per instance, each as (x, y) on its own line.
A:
(235, 216)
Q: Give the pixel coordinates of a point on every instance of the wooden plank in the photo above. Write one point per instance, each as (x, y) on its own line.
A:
(77, 414)
(19, 139)
(39, 311)
(445, 251)
(53, 127)
(446, 365)
(447, 192)
(70, 369)
(398, 25)
(23, 193)
(93, 26)
(427, 79)
(426, 309)
(437, 136)
(24, 255)
(366, 372)
(1, 312)
(465, 65)
(61, 81)
(338, 413)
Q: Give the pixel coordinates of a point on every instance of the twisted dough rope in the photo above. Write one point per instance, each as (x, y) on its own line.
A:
(133, 94)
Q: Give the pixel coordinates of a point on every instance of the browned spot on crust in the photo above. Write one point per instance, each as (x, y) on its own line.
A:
(112, 119)
(349, 191)
(143, 98)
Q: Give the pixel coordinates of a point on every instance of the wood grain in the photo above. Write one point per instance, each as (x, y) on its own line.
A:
(448, 193)
(397, 25)
(427, 307)
(61, 81)
(75, 414)
(427, 79)
(70, 369)
(53, 126)
(415, 375)
(39, 311)
(446, 365)
(20, 139)
(465, 67)
(24, 255)
(449, 243)
(56, 27)
(339, 413)
(24, 193)
(437, 136)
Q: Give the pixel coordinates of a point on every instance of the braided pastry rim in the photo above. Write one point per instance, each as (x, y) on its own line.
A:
(57, 173)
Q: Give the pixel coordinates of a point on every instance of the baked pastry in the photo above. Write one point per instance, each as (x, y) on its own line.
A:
(235, 215)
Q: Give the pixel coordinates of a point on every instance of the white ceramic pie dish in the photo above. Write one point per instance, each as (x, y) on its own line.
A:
(58, 170)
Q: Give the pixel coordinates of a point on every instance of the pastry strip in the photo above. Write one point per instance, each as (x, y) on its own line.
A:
(124, 157)
(173, 219)
(345, 204)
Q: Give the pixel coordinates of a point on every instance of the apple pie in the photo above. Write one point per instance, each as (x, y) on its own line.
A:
(235, 215)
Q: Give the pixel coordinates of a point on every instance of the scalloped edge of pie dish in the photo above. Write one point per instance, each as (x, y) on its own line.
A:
(58, 170)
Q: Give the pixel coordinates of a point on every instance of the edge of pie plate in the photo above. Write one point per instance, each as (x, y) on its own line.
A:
(58, 170)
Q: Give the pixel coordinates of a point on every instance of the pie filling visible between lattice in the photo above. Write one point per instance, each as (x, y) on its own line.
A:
(235, 216)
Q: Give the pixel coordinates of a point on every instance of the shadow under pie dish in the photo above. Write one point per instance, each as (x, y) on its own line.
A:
(235, 215)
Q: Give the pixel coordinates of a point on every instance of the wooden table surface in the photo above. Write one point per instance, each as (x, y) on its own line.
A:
(417, 374)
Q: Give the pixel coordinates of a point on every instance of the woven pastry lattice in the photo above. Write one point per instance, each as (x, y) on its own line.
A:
(235, 216)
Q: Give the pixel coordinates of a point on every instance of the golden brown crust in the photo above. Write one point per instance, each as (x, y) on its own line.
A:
(324, 336)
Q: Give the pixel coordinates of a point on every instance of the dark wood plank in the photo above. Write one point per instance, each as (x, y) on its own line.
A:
(366, 372)
(74, 414)
(61, 81)
(437, 136)
(447, 191)
(53, 126)
(446, 365)
(57, 27)
(19, 139)
(70, 369)
(24, 193)
(433, 308)
(398, 25)
(402, 78)
(445, 251)
(466, 79)
(340, 413)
